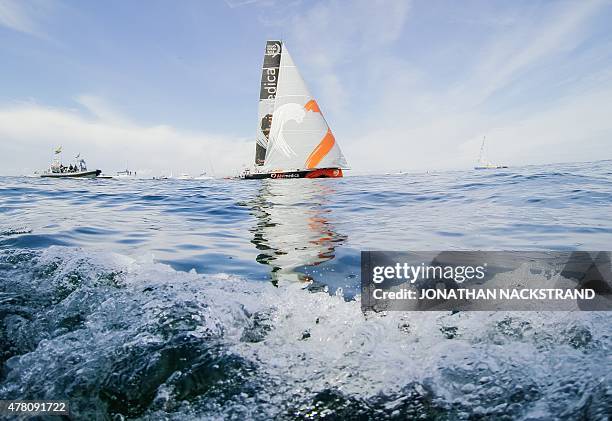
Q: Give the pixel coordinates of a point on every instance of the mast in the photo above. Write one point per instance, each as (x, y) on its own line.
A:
(267, 97)
(482, 149)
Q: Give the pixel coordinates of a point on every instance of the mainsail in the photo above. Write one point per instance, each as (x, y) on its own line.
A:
(267, 93)
(482, 159)
(298, 137)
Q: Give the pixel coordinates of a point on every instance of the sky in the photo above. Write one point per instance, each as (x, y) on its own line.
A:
(163, 86)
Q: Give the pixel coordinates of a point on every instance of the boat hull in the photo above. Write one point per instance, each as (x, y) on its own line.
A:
(492, 167)
(80, 174)
(317, 173)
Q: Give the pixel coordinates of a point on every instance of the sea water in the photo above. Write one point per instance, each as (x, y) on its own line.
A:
(191, 299)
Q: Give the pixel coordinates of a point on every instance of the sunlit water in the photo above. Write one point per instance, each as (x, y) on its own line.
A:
(226, 298)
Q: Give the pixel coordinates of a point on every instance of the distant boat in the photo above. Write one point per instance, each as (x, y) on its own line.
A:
(293, 139)
(125, 174)
(164, 177)
(483, 163)
(204, 176)
(184, 176)
(78, 170)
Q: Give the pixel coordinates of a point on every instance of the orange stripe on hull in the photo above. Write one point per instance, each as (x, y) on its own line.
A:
(322, 149)
(312, 106)
(325, 173)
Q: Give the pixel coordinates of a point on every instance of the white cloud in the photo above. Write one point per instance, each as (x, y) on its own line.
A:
(532, 40)
(387, 110)
(577, 128)
(238, 3)
(25, 16)
(333, 34)
(101, 109)
(417, 120)
(29, 133)
(337, 31)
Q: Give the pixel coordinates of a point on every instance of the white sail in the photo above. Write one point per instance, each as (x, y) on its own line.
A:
(299, 136)
(482, 159)
(483, 163)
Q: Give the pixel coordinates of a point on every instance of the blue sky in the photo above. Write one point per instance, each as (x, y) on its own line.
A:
(405, 85)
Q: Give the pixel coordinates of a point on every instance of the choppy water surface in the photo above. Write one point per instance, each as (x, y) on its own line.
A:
(225, 298)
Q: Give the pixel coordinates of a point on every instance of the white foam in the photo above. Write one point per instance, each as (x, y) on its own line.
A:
(317, 341)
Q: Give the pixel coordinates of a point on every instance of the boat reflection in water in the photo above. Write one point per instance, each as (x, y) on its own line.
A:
(293, 230)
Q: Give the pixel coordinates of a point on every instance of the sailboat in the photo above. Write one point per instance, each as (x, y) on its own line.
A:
(483, 163)
(293, 139)
(204, 176)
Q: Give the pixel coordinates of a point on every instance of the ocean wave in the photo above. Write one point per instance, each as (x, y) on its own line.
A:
(131, 337)
(9, 231)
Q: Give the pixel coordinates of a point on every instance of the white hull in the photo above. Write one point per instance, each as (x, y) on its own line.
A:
(490, 167)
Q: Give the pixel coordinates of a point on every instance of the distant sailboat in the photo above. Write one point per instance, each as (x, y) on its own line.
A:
(483, 162)
(204, 176)
(293, 138)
